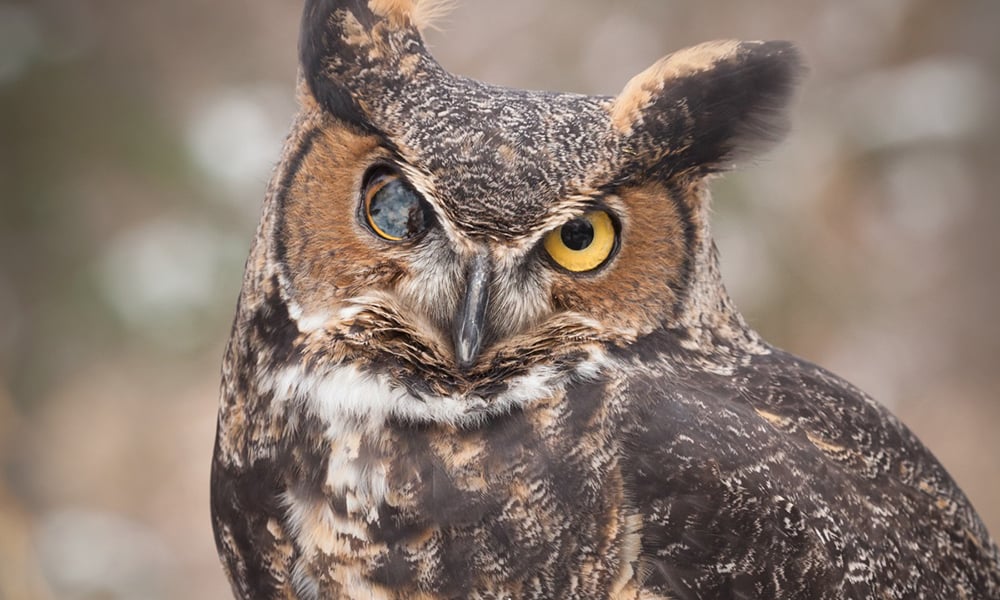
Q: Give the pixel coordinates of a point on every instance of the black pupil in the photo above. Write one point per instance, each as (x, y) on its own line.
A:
(578, 234)
(397, 210)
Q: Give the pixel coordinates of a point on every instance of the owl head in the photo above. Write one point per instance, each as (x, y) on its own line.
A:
(454, 236)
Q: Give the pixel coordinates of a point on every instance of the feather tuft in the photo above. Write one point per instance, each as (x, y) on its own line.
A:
(422, 14)
(428, 14)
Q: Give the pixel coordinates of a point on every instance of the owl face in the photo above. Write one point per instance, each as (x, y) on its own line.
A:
(452, 235)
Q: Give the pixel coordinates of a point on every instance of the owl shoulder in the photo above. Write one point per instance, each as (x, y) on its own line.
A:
(765, 463)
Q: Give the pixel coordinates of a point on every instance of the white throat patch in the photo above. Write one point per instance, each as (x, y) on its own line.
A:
(344, 393)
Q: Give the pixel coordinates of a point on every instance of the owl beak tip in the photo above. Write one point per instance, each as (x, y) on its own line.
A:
(466, 354)
(468, 341)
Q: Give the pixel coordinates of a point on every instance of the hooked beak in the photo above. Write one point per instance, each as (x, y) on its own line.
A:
(471, 318)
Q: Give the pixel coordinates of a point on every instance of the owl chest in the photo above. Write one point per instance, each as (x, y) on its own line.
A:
(517, 508)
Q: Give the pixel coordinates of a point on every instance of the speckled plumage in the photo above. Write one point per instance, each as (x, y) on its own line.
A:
(620, 434)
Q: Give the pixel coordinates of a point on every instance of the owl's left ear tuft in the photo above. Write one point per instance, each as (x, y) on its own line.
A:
(709, 106)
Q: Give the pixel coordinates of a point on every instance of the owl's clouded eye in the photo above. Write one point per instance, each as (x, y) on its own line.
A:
(583, 244)
(392, 209)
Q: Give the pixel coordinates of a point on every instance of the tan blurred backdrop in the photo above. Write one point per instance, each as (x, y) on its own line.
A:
(136, 139)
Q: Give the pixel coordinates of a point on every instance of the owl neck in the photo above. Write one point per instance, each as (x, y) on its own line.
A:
(707, 315)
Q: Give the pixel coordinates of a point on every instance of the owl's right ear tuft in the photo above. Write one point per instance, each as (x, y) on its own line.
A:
(706, 107)
(323, 43)
(352, 51)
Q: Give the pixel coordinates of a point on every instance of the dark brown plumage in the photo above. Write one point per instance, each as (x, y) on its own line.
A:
(451, 406)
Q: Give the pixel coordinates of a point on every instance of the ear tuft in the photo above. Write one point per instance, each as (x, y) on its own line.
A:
(422, 14)
(353, 52)
(428, 14)
(711, 105)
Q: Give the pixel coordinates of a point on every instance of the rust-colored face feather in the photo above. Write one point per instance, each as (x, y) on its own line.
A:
(483, 350)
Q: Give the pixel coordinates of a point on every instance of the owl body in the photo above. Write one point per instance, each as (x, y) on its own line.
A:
(483, 350)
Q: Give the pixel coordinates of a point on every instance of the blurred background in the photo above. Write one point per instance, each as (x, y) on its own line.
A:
(136, 139)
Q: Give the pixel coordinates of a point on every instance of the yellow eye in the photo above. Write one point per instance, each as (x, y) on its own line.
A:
(584, 243)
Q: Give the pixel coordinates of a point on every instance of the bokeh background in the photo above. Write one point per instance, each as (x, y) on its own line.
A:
(136, 139)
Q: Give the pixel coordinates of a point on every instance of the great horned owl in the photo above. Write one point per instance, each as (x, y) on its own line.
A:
(483, 350)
